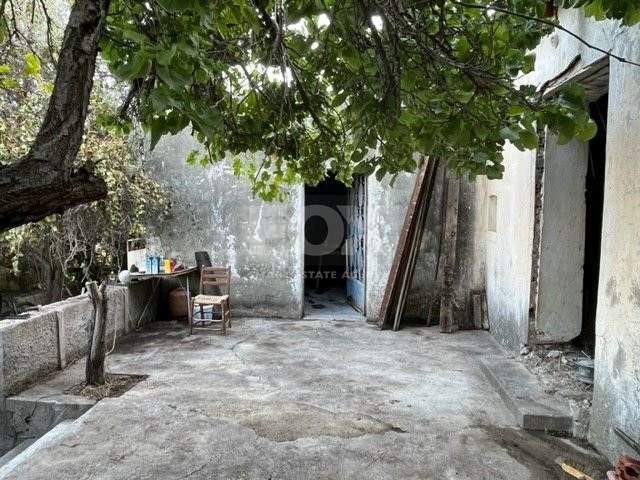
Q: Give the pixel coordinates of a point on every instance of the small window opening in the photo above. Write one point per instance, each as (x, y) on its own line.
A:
(492, 220)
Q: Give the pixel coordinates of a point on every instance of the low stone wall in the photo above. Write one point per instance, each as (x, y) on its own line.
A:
(58, 334)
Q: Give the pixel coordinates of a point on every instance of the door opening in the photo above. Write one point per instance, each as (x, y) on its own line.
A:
(594, 201)
(569, 196)
(329, 237)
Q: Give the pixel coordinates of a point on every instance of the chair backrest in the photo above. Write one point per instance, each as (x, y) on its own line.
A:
(215, 277)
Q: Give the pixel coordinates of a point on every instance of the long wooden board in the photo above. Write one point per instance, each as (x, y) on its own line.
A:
(406, 253)
(447, 323)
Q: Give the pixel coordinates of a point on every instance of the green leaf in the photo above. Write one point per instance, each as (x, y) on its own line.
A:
(515, 110)
(529, 63)
(135, 36)
(481, 131)
(339, 98)
(529, 140)
(574, 95)
(31, 64)
(566, 129)
(509, 133)
(157, 130)
(481, 157)
(587, 132)
(192, 158)
(174, 77)
(137, 66)
(3, 30)
(175, 6)
(164, 57)
(409, 118)
(201, 75)
(463, 49)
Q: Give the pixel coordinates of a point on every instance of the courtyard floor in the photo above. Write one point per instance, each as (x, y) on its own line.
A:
(321, 399)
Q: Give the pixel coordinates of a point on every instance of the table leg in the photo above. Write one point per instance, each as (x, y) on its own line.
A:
(189, 313)
(155, 282)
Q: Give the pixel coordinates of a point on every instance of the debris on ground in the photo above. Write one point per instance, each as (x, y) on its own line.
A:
(114, 386)
(561, 371)
(545, 459)
(571, 470)
(627, 468)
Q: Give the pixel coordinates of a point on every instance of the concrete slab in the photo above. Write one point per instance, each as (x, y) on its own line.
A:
(32, 413)
(17, 450)
(14, 459)
(300, 400)
(524, 396)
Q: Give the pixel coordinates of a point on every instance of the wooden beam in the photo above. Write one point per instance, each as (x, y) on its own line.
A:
(447, 324)
(403, 266)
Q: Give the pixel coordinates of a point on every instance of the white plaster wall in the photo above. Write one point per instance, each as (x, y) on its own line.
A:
(508, 260)
(616, 399)
(215, 211)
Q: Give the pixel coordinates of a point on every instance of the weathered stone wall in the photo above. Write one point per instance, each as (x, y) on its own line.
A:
(58, 334)
(214, 211)
(616, 401)
(386, 209)
(264, 242)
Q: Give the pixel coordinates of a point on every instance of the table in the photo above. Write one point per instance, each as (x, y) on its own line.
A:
(156, 277)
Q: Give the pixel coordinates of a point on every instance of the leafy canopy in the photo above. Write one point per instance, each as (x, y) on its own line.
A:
(626, 10)
(355, 86)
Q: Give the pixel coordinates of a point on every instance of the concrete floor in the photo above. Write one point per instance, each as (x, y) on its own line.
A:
(320, 399)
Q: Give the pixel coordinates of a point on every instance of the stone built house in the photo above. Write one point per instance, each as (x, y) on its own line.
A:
(555, 244)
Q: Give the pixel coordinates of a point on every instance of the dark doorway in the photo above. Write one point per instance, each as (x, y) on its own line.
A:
(594, 195)
(325, 260)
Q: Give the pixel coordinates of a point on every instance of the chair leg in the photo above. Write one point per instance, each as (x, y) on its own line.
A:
(224, 321)
(190, 319)
(229, 313)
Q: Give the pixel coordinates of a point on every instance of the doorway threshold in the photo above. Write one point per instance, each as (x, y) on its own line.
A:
(329, 304)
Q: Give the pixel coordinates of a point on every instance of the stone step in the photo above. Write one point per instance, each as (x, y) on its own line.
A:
(32, 449)
(532, 407)
(11, 454)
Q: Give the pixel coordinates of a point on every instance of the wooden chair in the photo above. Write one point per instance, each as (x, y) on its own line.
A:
(213, 277)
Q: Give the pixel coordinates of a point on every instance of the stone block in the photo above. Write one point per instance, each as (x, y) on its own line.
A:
(524, 396)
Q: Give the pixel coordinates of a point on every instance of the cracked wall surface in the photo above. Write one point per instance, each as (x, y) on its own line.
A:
(616, 402)
(215, 211)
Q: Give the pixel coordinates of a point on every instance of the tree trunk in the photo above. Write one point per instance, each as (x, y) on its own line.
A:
(97, 351)
(45, 181)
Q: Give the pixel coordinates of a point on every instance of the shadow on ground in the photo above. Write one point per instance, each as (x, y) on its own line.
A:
(318, 399)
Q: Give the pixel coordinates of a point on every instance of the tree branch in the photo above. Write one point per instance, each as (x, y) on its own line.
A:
(44, 181)
(48, 194)
(550, 23)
